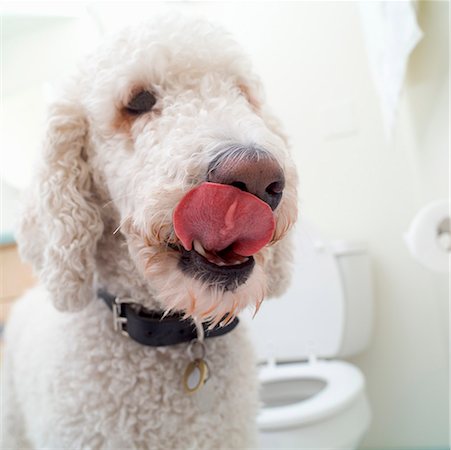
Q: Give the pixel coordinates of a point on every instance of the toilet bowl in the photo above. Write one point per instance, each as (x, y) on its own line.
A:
(311, 398)
(312, 405)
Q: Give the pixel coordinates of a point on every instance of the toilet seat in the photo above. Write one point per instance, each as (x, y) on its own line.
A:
(344, 383)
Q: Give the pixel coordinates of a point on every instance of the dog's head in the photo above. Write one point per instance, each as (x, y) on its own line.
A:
(153, 114)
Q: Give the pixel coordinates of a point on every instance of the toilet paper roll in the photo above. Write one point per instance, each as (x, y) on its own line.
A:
(429, 236)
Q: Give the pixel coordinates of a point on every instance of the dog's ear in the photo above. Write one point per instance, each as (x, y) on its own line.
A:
(61, 224)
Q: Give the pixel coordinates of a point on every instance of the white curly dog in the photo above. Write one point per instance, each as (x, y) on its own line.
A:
(167, 183)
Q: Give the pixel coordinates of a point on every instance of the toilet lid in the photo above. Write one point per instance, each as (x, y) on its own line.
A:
(343, 383)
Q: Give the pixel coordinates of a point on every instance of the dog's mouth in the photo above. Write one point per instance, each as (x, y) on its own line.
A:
(224, 269)
(219, 228)
(223, 258)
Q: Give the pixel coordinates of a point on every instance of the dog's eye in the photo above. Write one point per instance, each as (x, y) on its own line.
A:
(142, 102)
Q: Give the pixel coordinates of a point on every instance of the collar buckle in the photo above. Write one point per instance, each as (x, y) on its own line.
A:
(119, 316)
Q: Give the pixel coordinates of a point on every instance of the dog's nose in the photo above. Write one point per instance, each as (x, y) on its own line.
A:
(254, 173)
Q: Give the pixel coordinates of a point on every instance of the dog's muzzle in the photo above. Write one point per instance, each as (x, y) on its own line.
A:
(222, 223)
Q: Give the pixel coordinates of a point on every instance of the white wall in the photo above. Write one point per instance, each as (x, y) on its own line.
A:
(356, 185)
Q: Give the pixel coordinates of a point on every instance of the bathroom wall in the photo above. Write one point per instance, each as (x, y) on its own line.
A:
(407, 365)
(354, 183)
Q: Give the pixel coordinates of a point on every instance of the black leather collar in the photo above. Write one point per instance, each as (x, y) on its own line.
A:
(150, 328)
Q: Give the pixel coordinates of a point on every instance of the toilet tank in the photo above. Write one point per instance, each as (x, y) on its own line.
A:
(327, 310)
(355, 272)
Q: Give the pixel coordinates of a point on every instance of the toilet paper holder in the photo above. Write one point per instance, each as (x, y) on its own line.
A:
(444, 234)
(429, 236)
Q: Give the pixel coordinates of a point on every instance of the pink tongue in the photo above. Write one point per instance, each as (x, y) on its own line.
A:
(219, 215)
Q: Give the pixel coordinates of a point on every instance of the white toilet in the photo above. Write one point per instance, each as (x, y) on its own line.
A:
(311, 399)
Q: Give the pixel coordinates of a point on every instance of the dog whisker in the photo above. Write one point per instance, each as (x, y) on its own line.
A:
(207, 312)
(121, 197)
(231, 315)
(228, 319)
(257, 307)
(214, 323)
(193, 303)
(123, 222)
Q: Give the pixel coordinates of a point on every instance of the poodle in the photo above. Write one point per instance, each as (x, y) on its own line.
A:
(163, 203)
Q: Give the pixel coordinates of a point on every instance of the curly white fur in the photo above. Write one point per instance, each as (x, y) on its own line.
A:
(101, 214)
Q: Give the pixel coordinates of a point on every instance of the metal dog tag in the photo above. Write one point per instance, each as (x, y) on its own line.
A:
(196, 375)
